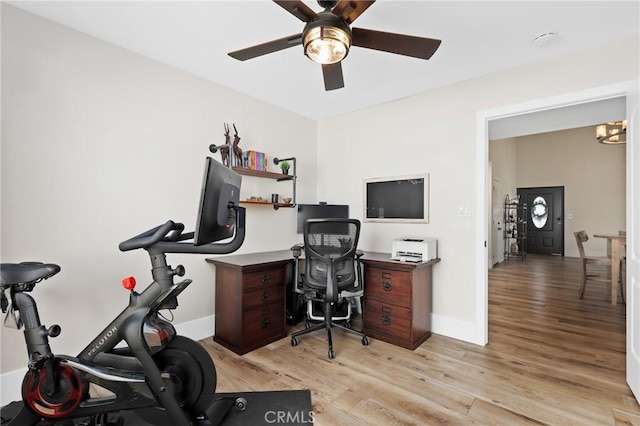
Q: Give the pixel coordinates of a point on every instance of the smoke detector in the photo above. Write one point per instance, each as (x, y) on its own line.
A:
(545, 39)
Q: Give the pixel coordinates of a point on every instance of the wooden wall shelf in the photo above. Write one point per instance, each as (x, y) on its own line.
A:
(261, 174)
(280, 177)
(266, 203)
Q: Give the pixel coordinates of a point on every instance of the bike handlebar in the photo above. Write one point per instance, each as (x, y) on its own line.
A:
(148, 238)
(156, 239)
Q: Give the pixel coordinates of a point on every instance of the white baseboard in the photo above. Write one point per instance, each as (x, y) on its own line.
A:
(198, 329)
(11, 382)
(456, 329)
(11, 388)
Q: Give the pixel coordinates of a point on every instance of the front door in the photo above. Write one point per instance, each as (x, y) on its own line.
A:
(545, 219)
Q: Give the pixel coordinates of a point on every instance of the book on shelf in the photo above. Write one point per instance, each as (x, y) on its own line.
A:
(255, 160)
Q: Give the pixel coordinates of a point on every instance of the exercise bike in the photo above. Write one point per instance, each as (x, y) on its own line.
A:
(157, 376)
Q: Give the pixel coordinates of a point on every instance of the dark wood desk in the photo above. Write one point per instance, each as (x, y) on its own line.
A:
(397, 300)
(250, 299)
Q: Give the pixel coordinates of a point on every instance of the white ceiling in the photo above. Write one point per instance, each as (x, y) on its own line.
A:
(478, 37)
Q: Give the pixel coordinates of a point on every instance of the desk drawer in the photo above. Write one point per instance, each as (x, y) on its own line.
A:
(264, 278)
(388, 285)
(389, 320)
(264, 296)
(263, 325)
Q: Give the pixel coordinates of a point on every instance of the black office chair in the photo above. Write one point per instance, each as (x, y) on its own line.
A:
(332, 268)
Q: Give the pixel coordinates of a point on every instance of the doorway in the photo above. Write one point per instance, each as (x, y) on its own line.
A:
(545, 219)
(628, 91)
(546, 107)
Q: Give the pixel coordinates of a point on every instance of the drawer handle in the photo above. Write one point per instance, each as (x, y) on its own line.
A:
(386, 286)
(266, 296)
(386, 320)
(265, 323)
(266, 279)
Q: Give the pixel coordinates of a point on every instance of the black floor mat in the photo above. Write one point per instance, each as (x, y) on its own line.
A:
(262, 408)
(269, 408)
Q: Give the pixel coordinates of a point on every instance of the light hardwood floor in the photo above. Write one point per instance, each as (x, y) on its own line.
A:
(551, 359)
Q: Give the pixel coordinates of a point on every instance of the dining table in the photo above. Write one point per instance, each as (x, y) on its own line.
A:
(618, 242)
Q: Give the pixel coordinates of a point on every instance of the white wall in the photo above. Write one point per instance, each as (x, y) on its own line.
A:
(593, 176)
(502, 157)
(502, 154)
(435, 132)
(100, 144)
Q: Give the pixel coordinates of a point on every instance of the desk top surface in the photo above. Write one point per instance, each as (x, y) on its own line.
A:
(250, 259)
(284, 256)
(611, 236)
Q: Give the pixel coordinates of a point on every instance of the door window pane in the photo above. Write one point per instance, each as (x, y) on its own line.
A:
(539, 212)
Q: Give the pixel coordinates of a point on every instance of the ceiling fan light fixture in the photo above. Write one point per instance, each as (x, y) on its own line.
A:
(327, 37)
(326, 44)
(612, 133)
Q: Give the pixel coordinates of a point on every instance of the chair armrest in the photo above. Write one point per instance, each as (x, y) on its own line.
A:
(360, 283)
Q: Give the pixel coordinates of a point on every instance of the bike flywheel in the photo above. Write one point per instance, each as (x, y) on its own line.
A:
(37, 396)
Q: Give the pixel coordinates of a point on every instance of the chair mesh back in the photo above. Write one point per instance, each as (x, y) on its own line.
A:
(328, 241)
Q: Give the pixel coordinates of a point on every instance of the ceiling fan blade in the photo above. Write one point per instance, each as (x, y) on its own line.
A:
(297, 9)
(349, 10)
(332, 74)
(268, 47)
(417, 47)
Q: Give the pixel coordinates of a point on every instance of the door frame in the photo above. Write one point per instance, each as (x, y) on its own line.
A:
(483, 185)
(633, 239)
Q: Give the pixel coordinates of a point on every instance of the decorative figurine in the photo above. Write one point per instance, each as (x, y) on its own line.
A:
(236, 149)
(224, 149)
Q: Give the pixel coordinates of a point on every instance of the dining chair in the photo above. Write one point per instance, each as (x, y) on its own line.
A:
(581, 238)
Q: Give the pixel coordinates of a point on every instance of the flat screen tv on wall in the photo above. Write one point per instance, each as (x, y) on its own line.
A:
(397, 199)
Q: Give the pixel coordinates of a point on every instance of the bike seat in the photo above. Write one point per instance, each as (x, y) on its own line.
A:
(26, 272)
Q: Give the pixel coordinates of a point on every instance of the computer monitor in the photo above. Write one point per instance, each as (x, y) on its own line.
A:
(220, 190)
(320, 211)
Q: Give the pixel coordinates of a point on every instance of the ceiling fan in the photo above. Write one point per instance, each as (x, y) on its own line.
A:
(327, 37)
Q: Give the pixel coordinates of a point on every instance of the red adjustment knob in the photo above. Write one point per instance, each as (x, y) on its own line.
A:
(129, 283)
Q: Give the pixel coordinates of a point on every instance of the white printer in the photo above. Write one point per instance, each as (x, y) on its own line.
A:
(414, 249)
